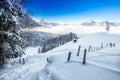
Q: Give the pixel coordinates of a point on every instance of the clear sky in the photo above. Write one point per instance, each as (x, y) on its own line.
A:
(75, 11)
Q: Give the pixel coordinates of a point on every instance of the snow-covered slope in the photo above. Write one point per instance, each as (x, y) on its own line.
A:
(102, 64)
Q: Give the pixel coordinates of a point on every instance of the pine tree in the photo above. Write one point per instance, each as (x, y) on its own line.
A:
(10, 31)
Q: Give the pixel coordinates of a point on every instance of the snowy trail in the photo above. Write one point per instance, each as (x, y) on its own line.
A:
(27, 71)
(34, 76)
(81, 72)
(31, 71)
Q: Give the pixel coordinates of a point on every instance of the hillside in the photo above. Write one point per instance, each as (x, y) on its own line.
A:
(102, 63)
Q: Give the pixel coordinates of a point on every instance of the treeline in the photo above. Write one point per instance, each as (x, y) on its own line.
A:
(57, 41)
(33, 39)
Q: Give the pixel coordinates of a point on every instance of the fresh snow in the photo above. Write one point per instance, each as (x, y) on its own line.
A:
(101, 64)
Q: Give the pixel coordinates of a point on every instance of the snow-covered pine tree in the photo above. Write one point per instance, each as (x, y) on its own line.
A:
(10, 32)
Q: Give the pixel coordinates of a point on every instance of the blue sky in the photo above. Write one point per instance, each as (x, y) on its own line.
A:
(74, 11)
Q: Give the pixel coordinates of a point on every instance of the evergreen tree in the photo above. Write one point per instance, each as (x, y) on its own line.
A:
(10, 31)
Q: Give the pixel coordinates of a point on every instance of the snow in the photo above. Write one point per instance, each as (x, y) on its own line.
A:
(9, 1)
(1, 11)
(77, 71)
(20, 72)
(14, 18)
(101, 64)
(30, 51)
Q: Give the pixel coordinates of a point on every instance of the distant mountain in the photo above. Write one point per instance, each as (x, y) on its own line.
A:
(103, 23)
(44, 23)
